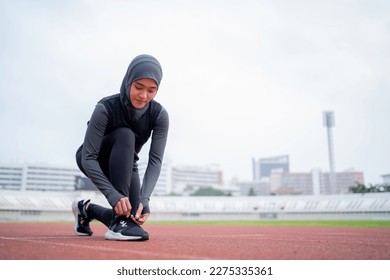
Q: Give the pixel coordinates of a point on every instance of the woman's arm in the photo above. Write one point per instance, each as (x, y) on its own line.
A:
(156, 154)
(90, 154)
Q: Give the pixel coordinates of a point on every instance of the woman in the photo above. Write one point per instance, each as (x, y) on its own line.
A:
(119, 126)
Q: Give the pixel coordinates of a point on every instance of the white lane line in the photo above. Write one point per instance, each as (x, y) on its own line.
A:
(104, 249)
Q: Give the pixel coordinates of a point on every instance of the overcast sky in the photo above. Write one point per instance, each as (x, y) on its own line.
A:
(242, 79)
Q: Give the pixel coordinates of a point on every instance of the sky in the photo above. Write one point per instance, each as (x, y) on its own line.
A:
(242, 79)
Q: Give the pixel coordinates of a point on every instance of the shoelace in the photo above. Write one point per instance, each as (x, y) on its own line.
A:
(83, 221)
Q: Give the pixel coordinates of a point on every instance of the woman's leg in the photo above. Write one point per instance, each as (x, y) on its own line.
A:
(100, 213)
(106, 215)
(116, 159)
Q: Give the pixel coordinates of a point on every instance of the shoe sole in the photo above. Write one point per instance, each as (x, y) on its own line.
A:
(75, 210)
(111, 235)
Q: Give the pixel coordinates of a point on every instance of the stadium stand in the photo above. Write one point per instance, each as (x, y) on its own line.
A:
(55, 206)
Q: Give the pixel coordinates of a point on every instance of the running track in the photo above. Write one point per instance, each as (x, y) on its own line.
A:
(45, 241)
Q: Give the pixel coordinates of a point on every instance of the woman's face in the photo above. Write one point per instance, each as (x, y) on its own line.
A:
(142, 92)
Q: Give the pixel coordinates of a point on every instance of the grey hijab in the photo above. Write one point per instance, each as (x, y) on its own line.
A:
(141, 67)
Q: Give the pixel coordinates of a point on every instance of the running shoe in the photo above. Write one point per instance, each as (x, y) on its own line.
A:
(81, 225)
(125, 229)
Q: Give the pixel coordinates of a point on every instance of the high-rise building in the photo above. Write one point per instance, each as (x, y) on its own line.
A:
(263, 167)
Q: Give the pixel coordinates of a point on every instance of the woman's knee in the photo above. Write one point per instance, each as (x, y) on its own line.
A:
(78, 159)
(124, 136)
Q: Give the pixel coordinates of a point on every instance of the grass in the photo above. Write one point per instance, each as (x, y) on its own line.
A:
(282, 223)
(294, 223)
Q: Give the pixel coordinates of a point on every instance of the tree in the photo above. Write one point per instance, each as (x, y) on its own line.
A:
(208, 191)
(251, 192)
(361, 188)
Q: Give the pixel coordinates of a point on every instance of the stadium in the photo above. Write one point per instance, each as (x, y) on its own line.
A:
(56, 206)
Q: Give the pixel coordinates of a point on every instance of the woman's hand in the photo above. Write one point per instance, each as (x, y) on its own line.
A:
(123, 207)
(140, 218)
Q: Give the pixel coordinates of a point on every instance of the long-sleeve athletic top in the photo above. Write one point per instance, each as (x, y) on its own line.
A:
(102, 121)
(92, 143)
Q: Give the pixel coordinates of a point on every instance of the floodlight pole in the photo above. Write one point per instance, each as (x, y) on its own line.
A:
(328, 118)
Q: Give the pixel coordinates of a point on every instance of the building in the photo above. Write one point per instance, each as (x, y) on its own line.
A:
(37, 177)
(11, 177)
(253, 188)
(312, 183)
(344, 180)
(178, 180)
(187, 179)
(291, 183)
(386, 179)
(263, 167)
(184, 179)
(164, 183)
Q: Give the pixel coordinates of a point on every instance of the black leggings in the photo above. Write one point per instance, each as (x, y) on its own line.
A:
(117, 159)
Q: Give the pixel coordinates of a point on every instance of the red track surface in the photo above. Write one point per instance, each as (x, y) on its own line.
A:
(57, 241)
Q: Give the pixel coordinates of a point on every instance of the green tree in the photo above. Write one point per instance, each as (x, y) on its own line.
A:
(251, 192)
(361, 188)
(208, 191)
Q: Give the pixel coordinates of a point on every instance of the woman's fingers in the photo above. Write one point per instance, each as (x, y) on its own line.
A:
(143, 218)
(139, 211)
(123, 207)
(140, 218)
